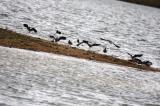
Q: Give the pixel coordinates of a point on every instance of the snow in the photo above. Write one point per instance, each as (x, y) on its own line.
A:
(30, 78)
(134, 28)
(41, 79)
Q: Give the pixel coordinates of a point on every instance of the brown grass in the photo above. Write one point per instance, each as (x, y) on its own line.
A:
(16, 40)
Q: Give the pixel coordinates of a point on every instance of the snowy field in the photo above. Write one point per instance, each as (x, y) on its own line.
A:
(30, 78)
(135, 28)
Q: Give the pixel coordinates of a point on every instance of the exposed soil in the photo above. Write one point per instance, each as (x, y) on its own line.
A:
(16, 40)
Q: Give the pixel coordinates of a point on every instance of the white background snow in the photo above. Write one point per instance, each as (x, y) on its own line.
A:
(40, 79)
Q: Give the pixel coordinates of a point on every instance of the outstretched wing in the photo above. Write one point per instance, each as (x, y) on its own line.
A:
(130, 55)
(52, 36)
(116, 45)
(107, 40)
(110, 42)
(95, 44)
(137, 55)
(61, 38)
(80, 43)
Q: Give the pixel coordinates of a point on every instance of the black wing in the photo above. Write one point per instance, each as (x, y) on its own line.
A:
(61, 38)
(116, 45)
(52, 36)
(137, 55)
(33, 29)
(130, 55)
(95, 44)
(110, 42)
(107, 40)
(80, 43)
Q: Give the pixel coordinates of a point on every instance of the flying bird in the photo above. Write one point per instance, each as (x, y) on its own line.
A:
(135, 55)
(94, 44)
(110, 42)
(56, 39)
(88, 43)
(30, 29)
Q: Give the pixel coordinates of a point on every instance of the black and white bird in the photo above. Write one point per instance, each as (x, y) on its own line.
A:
(30, 29)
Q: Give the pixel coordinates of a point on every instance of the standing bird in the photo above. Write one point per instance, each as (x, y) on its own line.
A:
(105, 50)
(78, 41)
(69, 42)
(30, 28)
(58, 32)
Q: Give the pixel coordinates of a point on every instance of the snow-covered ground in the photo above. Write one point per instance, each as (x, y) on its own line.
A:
(40, 79)
(30, 78)
(134, 27)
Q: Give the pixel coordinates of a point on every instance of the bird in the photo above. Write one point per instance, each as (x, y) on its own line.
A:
(58, 32)
(105, 50)
(69, 42)
(110, 42)
(138, 61)
(135, 55)
(84, 41)
(147, 63)
(30, 28)
(88, 43)
(77, 40)
(94, 44)
(56, 39)
(135, 59)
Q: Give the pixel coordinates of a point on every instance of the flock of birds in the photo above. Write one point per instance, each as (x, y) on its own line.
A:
(134, 58)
